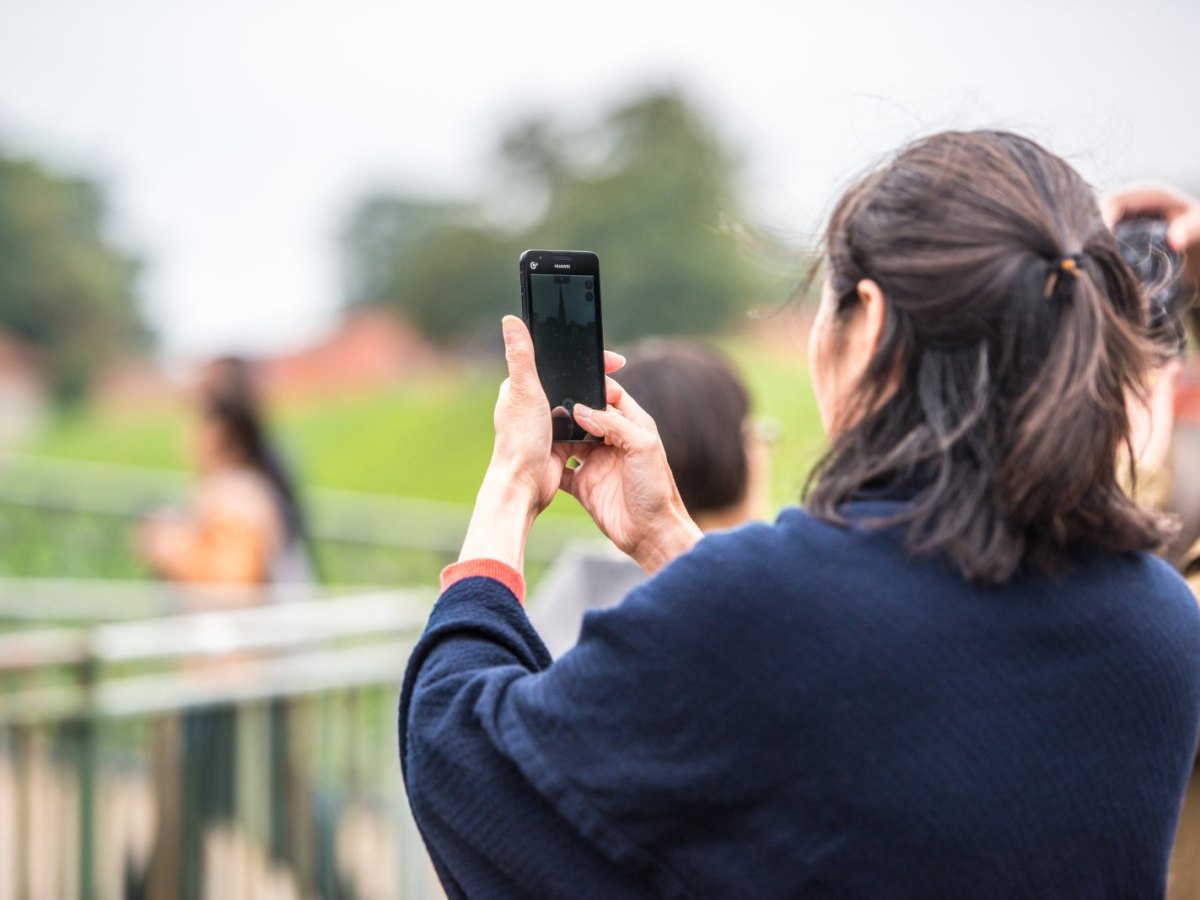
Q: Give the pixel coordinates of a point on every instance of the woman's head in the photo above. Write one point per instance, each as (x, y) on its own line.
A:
(978, 337)
(232, 433)
(230, 428)
(702, 411)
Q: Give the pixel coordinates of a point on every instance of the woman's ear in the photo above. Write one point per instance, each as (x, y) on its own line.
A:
(870, 295)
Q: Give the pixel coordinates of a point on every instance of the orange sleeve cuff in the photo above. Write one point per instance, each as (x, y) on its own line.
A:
(485, 568)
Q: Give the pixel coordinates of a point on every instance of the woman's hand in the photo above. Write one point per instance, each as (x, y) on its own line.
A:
(161, 540)
(524, 452)
(1181, 212)
(626, 485)
(527, 466)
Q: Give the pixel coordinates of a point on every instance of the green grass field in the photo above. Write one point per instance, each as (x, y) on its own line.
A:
(430, 438)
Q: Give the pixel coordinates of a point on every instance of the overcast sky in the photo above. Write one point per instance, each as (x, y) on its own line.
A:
(234, 136)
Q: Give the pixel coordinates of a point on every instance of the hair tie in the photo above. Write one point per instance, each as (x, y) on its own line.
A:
(1064, 265)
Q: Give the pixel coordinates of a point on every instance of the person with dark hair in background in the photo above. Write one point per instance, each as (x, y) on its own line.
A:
(1164, 466)
(959, 672)
(716, 451)
(1181, 216)
(245, 525)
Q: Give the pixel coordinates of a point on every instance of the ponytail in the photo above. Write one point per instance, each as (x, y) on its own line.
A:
(1059, 478)
(1013, 337)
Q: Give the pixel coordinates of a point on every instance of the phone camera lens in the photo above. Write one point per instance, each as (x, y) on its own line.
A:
(589, 296)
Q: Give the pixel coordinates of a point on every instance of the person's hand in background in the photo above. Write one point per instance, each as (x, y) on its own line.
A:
(626, 485)
(161, 539)
(1181, 212)
(1152, 418)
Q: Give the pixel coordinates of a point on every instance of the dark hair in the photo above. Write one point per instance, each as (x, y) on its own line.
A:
(229, 397)
(700, 407)
(997, 391)
(1159, 271)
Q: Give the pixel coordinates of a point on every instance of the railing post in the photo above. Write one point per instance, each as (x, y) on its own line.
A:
(25, 749)
(326, 814)
(85, 728)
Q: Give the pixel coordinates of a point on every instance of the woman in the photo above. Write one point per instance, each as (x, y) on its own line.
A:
(958, 673)
(1164, 461)
(245, 526)
(1155, 425)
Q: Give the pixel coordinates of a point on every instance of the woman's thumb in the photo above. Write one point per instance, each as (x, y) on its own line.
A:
(518, 354)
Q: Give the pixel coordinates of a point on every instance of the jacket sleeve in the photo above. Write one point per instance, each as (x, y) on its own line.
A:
(530, 772)
(489, 831)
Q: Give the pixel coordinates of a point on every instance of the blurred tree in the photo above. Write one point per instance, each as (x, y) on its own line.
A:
(429, 260)
(653, 209)
(648, 188)
(383, 236)
(64, 288)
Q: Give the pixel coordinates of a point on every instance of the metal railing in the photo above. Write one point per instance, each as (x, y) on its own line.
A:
(76, 520)
(245, 752)
(219, 742)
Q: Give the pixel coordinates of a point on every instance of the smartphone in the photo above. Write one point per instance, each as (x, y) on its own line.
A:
(560, 302)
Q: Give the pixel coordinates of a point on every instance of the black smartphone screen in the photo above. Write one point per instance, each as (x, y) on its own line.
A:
(561, 305)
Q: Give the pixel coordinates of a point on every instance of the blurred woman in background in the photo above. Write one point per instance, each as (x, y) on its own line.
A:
(245, 524)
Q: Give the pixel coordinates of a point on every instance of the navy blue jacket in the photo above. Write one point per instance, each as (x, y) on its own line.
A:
(800, 710)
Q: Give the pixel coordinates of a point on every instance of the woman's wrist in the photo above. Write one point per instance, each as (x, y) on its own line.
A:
(673, 539)
(505, 509)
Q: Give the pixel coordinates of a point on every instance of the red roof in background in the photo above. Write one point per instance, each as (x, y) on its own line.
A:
(369, 349)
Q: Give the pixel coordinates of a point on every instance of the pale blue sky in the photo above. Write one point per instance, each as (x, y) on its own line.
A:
(234, 136)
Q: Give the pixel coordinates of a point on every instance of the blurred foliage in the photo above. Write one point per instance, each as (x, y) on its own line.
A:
(64, 289)
(648, 188)
(51, 543)
(430, 438)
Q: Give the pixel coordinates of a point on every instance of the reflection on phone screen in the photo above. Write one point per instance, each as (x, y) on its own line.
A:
(565, 339)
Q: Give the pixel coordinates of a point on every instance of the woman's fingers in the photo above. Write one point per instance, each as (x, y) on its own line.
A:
(613, 392)
(613, 362)
(612, 425)
(571, 477)
(567, 482)
(1184, 231)
(622, 400)
(1142, 200)
(561, 452)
